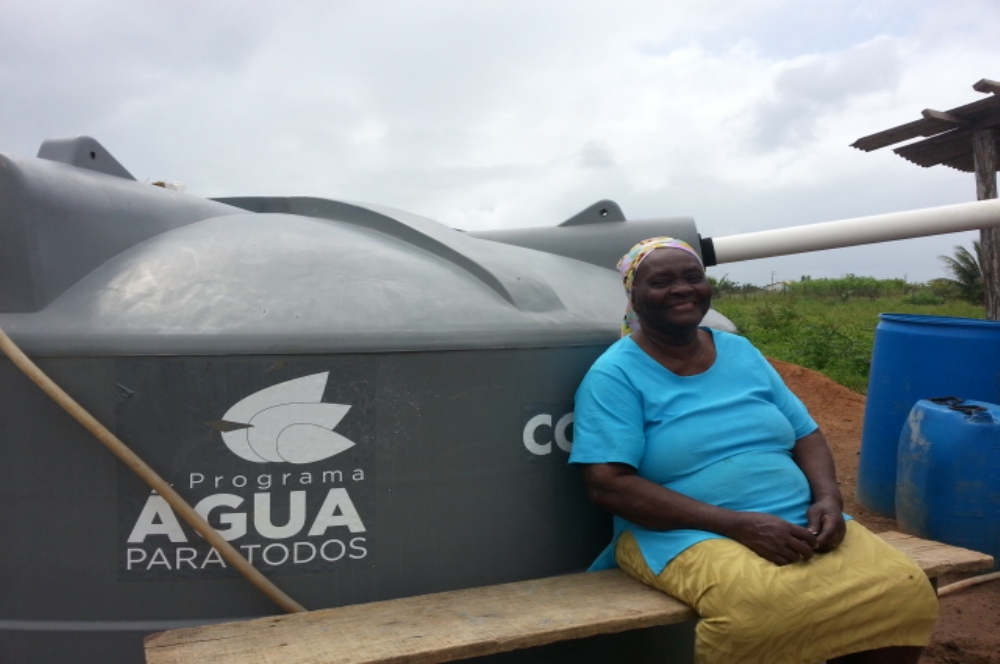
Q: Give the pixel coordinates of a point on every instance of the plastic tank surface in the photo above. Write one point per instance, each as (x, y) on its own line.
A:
(918, 357)
(366, 403)
(949, 474)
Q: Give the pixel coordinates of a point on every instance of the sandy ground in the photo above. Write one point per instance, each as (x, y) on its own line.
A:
(968, 631)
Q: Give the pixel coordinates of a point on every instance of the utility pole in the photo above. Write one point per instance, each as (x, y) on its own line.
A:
(984, 154)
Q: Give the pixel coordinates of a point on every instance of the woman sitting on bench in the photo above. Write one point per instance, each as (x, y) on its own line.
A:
(724, 489)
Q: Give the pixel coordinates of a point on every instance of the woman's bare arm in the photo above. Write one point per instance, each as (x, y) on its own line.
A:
(826, 514)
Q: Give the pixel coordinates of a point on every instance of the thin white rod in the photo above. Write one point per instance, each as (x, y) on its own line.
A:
(862, 230)
(967, 583)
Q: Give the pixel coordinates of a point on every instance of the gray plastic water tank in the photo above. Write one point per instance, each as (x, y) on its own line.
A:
(366, 403)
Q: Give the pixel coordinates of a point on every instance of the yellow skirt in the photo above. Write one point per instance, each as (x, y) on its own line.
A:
(863, 595)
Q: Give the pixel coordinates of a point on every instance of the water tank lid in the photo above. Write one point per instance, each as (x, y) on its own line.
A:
(271, 282)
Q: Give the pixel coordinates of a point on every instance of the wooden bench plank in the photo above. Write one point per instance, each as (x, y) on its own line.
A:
(443, 627)
(432, 628)
(936, 558)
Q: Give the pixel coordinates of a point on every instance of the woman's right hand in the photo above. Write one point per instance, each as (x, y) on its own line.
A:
(773, 538)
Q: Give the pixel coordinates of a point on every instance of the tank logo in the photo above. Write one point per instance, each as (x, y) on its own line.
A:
(285, 474)
(547, 434)
(286, 422)
(543, 421)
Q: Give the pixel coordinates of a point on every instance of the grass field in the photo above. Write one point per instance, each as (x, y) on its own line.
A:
(832, 334)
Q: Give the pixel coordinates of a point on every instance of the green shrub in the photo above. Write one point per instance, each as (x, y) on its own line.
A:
(923, 297)
(831, 328)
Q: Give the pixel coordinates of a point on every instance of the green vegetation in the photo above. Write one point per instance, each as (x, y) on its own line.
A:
(829, 324)
(967, 273)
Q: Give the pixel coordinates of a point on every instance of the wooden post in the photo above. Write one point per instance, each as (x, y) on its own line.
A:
(984, 154)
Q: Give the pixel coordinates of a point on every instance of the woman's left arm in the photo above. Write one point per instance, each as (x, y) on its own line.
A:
(826, 514)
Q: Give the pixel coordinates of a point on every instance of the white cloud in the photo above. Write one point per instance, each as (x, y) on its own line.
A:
(487, 114)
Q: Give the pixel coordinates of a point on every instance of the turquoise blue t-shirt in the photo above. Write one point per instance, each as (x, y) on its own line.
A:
(723, 437)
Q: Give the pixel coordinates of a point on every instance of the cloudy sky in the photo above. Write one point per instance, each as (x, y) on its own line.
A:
(505, 114)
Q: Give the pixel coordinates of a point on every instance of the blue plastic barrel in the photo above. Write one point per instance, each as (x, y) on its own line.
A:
(948, 487)
(918, 357)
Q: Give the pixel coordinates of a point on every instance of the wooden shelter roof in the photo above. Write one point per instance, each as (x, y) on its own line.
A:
(948, 134)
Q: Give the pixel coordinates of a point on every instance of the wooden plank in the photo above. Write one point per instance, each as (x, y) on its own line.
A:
(962, 162)
(965, 161)
(958, 155)
(905, 132)
(970, 114)
(938, 149)
(977, 110)
(936, 558)
(986, 85)
(469, 623)
(931, 114)
(432, 628)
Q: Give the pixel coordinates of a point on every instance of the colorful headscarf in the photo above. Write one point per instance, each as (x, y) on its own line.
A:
(628, 265)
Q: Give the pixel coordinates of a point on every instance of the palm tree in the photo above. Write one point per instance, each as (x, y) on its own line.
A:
(967, 273)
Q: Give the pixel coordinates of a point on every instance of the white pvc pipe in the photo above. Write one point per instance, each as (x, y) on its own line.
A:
(863, 230)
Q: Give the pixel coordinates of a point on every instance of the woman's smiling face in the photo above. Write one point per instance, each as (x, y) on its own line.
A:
(670, 291)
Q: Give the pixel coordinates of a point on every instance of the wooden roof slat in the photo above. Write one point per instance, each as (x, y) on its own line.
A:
(986, 85)
(948, 134)
(941, 155)
(963, 133)
(957, 139)
(953, 149)
(926, 153)
(977, 110)
(931, 114)
(984, 112)
(958, 135)
(988, 120)
(962, 163)
(966, 162)
(923, 127)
